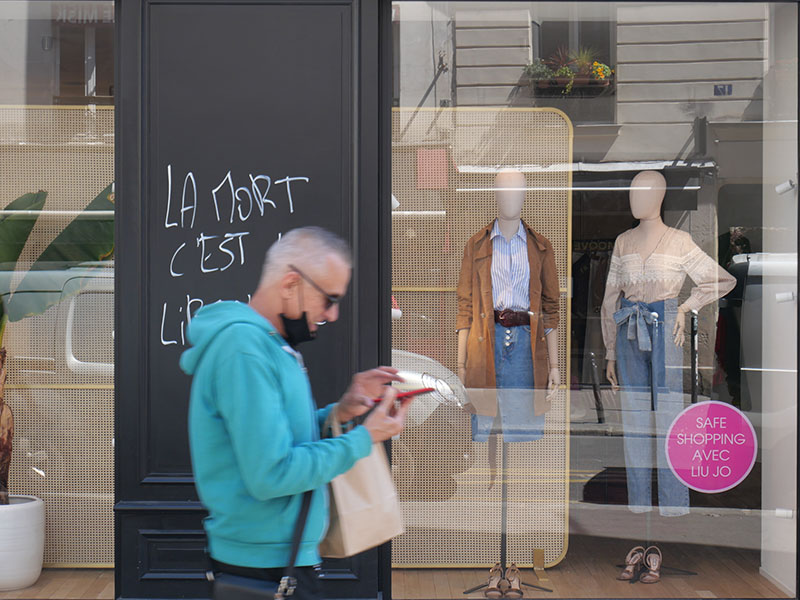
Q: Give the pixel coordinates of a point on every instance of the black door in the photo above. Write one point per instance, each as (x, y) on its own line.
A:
(235, 122)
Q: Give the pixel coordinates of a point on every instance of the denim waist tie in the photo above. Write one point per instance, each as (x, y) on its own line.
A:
(638, 316)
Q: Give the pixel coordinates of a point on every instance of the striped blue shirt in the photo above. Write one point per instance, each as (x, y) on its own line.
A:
(511, 271)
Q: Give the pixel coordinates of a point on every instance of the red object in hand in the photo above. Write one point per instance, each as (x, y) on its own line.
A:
(409, 394)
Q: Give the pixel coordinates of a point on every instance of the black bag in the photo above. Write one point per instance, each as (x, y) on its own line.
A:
(236, 587)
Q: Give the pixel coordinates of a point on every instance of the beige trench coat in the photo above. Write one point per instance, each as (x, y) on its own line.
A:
(476, 307)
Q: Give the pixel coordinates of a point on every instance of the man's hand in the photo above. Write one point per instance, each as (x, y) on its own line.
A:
(365, 387)
(386, 420)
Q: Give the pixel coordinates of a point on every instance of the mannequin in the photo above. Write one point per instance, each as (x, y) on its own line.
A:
(646, 197)
(480, 300)
(644, 330)
(508, 300)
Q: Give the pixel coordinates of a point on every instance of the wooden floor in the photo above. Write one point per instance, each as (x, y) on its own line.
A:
(67, 584)
(589, 571)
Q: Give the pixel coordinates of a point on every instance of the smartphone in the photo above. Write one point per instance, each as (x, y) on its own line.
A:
(407, 395)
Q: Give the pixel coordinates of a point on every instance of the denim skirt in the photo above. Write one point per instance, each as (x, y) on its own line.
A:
(513, 366)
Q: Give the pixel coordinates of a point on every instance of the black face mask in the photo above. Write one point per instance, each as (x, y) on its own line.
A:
(296, 330)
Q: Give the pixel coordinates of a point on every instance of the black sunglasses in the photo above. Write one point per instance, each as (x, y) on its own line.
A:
(330, 299)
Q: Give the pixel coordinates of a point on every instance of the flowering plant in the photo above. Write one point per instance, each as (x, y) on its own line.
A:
(567, 71)
(601, 70)
(538, 70)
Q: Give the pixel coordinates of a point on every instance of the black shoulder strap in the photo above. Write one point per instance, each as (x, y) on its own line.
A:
(298, 531)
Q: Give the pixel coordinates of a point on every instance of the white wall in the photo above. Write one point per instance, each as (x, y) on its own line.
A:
(669, 56)
(27, 70)
(779, 381)
(424, 32)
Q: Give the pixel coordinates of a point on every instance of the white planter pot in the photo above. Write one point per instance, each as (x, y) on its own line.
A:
(21, 542)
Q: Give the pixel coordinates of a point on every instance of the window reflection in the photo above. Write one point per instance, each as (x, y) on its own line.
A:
(57, 206)
(642, 101)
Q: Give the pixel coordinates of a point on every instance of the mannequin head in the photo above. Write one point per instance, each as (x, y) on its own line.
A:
(509, 193)
(647, 195)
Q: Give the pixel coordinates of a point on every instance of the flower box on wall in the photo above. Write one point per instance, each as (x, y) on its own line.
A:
(582, 87)
(575, 73)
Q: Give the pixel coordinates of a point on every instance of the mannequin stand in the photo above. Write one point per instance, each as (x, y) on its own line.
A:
(648, 542)
(674, 570)
(653, 407)
(664, 567)
(598, 404)
(504, 525)
(695, 370)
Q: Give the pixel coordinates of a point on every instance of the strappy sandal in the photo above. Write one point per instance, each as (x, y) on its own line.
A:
(514, 582)
(495, 580)
(651, 571)
(632, 562)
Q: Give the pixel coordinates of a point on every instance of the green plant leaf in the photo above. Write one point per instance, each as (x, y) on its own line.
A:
(16, 228)
(559, 59)
(538, 70)
(85, 240)
(583, 58)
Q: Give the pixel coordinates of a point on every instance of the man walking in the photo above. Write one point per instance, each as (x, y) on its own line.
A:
(254, 430)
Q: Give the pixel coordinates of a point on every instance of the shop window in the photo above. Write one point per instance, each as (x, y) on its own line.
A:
(57, 209)
(554, 451)
(85, 63)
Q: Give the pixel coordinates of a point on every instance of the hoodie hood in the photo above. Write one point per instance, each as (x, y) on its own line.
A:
(209, 321)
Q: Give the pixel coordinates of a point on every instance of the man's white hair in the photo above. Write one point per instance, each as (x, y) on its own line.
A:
(304, 247)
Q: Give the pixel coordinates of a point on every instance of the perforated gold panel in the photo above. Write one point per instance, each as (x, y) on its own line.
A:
(60, 371)
(443, 167)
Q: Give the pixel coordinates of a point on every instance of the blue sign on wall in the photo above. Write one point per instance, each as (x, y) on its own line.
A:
(723, 89)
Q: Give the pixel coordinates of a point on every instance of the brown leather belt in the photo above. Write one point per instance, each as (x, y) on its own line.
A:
(512, 318)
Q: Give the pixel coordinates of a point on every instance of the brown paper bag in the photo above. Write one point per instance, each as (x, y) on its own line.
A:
(364, 510)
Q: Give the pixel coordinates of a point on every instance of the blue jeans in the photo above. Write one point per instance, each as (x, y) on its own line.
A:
(644, 345)
(513, 365)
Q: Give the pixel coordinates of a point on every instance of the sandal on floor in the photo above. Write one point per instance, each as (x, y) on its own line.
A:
(651, 571)
(495, 580)
(514, 590)
(632, 562)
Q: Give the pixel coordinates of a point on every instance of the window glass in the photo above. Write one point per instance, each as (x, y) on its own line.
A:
(57, 289)
(594, 263)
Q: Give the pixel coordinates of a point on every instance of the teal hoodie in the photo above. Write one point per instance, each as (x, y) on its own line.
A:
(254, 435)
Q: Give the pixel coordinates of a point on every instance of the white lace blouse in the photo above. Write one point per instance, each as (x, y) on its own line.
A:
(659, 276)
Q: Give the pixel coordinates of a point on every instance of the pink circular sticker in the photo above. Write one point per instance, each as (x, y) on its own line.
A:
(711, 446)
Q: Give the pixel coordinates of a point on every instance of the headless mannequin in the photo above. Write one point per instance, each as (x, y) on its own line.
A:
(646, 197)
(509, 195)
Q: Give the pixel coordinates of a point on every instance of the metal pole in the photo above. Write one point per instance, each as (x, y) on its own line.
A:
(656, 339)
(695, 378)
(503, 506)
